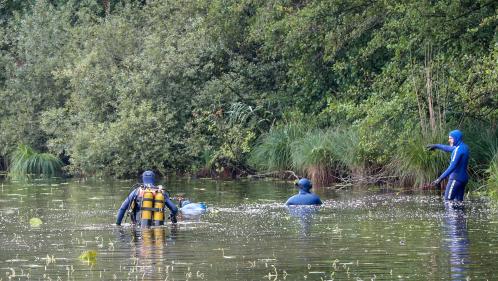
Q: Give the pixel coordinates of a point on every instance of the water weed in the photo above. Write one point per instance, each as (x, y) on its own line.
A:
(35, 222)
(89, 256)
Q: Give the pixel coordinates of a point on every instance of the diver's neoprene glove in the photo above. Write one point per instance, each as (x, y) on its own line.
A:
(430, 147)
(173, 219)
(436, 183)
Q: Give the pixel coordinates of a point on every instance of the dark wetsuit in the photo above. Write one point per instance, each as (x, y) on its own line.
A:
(304, 197)
(134, 196)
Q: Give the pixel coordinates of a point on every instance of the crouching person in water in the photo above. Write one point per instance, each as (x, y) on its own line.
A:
(146, 204)
(305, 196)
(190, 210)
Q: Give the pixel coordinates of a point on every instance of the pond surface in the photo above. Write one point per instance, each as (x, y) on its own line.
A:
(247, 234)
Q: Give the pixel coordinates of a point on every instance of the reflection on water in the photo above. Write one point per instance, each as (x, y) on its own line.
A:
(148, 247)
(247, 234)
(456, 239)
(305, 216)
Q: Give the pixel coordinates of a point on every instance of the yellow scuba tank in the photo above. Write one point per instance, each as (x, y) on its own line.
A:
(158, 208)
(146, 208)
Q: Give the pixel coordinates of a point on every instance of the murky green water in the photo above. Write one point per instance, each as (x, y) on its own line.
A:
(247, 234)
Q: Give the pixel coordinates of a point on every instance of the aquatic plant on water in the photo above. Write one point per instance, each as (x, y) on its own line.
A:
(35, 222)
(89, 256)
(27, 162)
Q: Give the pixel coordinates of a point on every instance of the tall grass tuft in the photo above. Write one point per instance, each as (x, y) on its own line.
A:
(27, 162)
(320, 154)
(346, 145)
(492, 172)
(326, 155)
(483, 143)
(314, 155)
(273, 151)
(414, 165)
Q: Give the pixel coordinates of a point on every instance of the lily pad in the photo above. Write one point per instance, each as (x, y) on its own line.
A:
(35, 222)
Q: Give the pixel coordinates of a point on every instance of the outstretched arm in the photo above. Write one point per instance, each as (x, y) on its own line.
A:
(446, 148)
(124, 207)
(454, 161)
(172, 207)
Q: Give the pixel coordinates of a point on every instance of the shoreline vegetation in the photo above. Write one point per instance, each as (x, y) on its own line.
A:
(343, 92)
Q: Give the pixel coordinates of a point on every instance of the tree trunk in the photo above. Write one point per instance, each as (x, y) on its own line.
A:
(420, 99)
(107, 7)
(428, 88)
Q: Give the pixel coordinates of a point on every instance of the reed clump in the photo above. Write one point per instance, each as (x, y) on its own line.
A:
(323, 155)
(274, 149)
(413, 164)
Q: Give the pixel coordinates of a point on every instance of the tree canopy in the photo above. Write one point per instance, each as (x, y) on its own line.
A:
(179, 86)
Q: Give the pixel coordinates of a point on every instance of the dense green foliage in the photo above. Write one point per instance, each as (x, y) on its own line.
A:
(188, 86)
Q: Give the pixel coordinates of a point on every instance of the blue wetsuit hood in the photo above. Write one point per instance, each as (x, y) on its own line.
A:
(304, 185)
(184, 203)
(148, 178)
(457, 136)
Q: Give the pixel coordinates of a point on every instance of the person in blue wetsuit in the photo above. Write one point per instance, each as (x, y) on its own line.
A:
(457, 170)
(146, 203)
(305, 196)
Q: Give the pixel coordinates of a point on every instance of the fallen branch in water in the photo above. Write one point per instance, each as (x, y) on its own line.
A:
(341, 186)
(364, 180)
(341, 182)
(273, 174)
